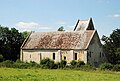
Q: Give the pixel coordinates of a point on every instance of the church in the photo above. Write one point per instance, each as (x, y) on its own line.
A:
(83, 43)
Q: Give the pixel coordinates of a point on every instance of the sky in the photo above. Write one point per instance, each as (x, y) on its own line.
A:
(49, 15)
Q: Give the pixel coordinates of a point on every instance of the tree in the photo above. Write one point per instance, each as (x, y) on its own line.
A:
(112, 47)
(10, 42)
(25, 34)
(61, 28)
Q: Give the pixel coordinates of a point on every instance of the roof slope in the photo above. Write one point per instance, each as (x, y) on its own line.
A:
(59, 40)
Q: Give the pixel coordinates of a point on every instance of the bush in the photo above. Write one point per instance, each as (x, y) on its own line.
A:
(116, 68)
(7, 63)
(63, 63)
(106, 66)
(47, 63)
(73, 62)
(19, 61)
(1, 58)
(87, 67)
(24, 65)
(79, 63)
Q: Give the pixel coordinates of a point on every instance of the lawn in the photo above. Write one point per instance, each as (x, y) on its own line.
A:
(11, 74)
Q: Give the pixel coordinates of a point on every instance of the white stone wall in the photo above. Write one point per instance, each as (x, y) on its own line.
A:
(37, 55)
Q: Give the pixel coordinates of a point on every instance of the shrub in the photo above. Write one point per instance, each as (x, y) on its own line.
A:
(47, 63)
(116, 68)
(87, 67)
(21, 65)
(7, 63)
(19, 61)
(79, 63)
(106, 66)
(73, 62)
(63, 63)
(57, 65)
(1, 58)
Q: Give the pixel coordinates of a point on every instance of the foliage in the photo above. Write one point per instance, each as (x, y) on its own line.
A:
(61, 28)
(19, 64)
(25, 34)
(19, 61)
(63, 63)
(73, 62)
(80, 63)
(116, 68)
(112, 46)
(87, 67)
(106, 66)
(1, 58)
(7, 63)
(47, 63)
(10, 42)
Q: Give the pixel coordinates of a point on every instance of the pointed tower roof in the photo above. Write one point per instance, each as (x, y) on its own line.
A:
(83, 25)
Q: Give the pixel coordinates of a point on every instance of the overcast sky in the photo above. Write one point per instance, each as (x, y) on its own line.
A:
(49, 15)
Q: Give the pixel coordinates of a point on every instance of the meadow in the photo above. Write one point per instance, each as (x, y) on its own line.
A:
(14, 74)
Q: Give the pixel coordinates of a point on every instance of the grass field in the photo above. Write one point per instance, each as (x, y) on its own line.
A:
(11, 74)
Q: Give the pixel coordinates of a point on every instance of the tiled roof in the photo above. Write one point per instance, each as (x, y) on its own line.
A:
(59, 40)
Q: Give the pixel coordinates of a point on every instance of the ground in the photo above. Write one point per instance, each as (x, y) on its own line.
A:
(11, 74)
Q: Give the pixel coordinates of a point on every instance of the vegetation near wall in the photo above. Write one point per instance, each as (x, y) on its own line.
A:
(49, 64)
(110, 67)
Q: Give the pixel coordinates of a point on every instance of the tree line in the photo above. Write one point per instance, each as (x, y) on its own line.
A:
(10, 42)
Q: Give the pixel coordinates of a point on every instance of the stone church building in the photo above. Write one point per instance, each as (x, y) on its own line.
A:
(83, 43)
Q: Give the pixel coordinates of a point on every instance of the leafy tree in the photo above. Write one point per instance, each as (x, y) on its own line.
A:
(61, 28)
(10, 42)
(112, 46)
(25, 34)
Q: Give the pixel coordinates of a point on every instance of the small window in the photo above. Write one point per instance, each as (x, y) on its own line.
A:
(90, 54)
(30, 56)
(40, 56)
(100, 54)
(64, 57)
(75, 56)
(53, 56)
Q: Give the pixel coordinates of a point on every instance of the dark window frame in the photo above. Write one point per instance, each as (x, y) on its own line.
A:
(64, 57)
(100, 55)
(75, 56)
(53, 56)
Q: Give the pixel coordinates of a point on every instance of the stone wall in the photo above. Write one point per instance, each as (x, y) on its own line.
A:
(37, 55)
(95, 54)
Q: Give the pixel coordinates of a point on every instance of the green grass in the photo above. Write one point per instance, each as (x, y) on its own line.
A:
(12, 74)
